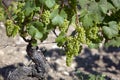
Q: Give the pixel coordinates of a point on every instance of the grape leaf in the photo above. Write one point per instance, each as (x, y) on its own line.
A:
(54, 13)
(93, 45)
(63, 14)
(57, 20)
(111, 30)
(114, 42)
(34, 32)
(50, 3)
(83, 3)
(103, 6)
(87, 21)
(61, 39)
(116, 3)
(38, 25)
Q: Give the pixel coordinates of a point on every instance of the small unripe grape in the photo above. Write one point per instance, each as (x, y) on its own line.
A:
(46, 17)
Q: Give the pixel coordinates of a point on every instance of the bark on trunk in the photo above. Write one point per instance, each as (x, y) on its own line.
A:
(38, 71)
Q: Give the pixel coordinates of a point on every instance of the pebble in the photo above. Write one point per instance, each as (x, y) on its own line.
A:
(1, 53)
(66, 73)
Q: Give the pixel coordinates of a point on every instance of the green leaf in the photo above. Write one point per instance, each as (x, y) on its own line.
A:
(30, 7)
(83, 13)
(50, 3)
(104, 8)
(34, 42)
(63, 14)
(61, 39)
(87, 21)
(83, 3)
(93, 45)
(54, 13)
(38, 35)
(114, 42)
(38, 25)
(116, 3)
(57, 20)
(73, 21)
(103, 4)
(111, 30)
(34, 32)
(42, 1)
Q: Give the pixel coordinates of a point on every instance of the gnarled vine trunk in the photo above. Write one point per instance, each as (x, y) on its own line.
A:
(38, 71)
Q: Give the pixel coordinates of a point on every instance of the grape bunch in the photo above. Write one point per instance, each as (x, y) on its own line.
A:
(11, 28)
(92, 33)
(93, 37)
(46, 17)
(81, 34)
(20, 17)
(2, 16)
(72, 48)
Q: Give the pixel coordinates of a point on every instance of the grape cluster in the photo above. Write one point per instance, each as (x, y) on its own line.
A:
(20, 17)
(92, 33)
(46, 17)
(93, 37)
(64, 26)
(1, 14)
(81, 34)
(11, 28)
(72, 49)
(20, 5)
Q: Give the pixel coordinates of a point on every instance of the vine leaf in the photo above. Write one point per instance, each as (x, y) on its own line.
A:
(50, 3)
(111, 30)
(57, 20)
(38, 25)
(93, 45)
(104, 8)
(54, 13)
(63, 14)
(87, 21)
(103, 4)
(34, 32)
(116, 3)
(61, 39)
(114, 42)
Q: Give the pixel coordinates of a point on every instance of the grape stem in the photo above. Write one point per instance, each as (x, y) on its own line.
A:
(55, 33)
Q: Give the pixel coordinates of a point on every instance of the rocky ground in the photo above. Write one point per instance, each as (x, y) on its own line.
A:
(13, 54)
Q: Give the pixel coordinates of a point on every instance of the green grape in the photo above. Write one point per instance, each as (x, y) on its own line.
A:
(20, 5)
(20, 17)
(72, 49)
(69, 59)
(56, 6)
(2, 16)
(11, 28)
(92, 33)
(64, 26)
(46, 17)
(81, 35)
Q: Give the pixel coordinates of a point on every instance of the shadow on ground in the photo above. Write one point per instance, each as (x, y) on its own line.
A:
(88, 61)
(93, 64)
